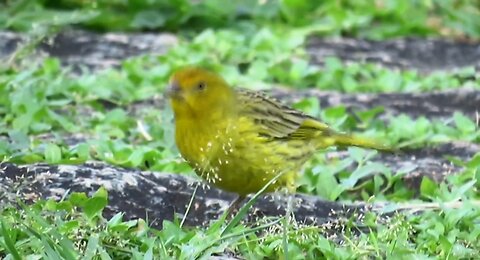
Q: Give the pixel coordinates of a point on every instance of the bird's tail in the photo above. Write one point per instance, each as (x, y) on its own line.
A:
(345, 140)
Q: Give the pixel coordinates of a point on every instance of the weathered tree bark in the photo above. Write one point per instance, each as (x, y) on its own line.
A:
(97, 51)
(91, 50)
(159, 196)
(424, 55)
(432, 105)
(156, 196)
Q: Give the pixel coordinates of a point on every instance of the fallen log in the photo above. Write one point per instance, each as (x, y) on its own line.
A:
(159, 196)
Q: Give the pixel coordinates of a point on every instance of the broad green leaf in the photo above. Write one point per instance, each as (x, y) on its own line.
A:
(53, 153)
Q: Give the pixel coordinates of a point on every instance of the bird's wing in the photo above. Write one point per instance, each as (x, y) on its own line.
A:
(276, 120)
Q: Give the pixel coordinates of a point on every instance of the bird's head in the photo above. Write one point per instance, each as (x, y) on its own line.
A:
(196, 92)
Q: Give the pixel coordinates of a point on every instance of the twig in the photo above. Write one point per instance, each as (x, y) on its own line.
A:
(141, 128)
(426, 206)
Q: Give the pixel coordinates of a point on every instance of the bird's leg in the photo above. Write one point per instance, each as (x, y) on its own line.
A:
(290, 214)
(235, 204)
(289, 218)
(291, 188)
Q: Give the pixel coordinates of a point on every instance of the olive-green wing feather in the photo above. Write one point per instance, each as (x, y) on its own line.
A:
(276, 120)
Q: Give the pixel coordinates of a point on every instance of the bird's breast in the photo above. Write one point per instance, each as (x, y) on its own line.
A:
(200, 143)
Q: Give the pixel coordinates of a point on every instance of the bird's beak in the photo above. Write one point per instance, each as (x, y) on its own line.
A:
(173, 90)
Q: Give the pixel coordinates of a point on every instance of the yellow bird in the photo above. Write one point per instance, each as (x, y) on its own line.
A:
(239, 140)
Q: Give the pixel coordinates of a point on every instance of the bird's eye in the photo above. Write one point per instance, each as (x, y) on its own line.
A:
(201, 86)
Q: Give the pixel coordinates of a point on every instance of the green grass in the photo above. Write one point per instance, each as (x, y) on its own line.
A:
(363, 18)
(47, 114)
(46, 98)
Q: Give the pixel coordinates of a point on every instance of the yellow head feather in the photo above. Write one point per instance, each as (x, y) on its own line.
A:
(199, 93)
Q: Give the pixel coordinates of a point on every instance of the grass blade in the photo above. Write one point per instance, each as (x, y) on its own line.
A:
(244, 210)
(10, 245)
